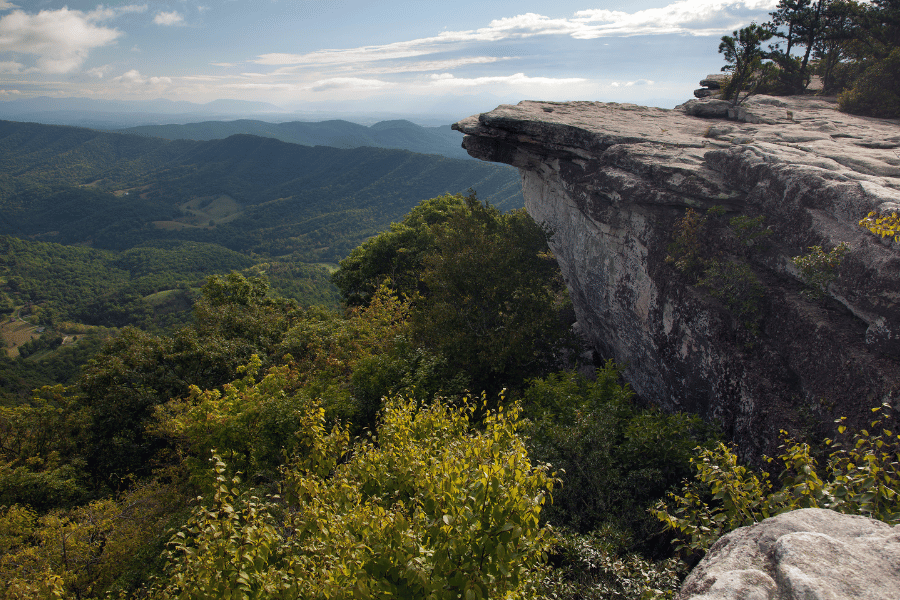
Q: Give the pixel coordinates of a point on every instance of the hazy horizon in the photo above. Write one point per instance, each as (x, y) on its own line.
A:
(366, 57)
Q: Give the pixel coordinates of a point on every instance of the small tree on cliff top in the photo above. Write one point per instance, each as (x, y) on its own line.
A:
(744, 59)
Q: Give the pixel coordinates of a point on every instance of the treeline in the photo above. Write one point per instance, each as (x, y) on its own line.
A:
(853, 46)
(350, 452)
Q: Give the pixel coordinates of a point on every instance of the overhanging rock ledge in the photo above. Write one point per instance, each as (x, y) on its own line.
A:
(613, 181)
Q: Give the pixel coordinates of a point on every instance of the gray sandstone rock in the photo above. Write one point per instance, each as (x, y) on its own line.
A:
(714, 81)
(613, 181)
(809, 554)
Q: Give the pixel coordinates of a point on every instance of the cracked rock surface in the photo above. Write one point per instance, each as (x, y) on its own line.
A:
(614, 181)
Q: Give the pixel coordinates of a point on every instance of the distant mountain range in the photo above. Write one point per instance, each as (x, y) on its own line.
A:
(119, 114)
(248, 193)
(397, 134)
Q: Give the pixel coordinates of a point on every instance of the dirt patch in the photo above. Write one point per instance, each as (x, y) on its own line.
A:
(204, 212)
(15, 333)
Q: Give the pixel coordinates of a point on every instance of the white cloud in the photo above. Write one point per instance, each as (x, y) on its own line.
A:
(133, 77)
(11, 67)
(437, 65)
(10, 93)
(519, 79)
(223, 64)
(168, 18)
(692, 17)
(99, 72)
(348, 83)
(687, 17)
(4, 5)
(60, 40)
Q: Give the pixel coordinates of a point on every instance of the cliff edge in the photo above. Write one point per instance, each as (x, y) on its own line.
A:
(675, 231)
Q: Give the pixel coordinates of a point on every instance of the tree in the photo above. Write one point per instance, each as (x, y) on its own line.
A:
(495, 299)
(395, 256)
(744, 59)
(486, 292)
(798, 23)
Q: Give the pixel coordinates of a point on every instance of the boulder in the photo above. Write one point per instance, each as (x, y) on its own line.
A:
(809, 554)
(714, 81)
(615, 181)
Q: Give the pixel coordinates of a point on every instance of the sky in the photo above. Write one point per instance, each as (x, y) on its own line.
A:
(379, 55)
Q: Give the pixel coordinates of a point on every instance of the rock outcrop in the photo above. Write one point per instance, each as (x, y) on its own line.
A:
(712, 86)
(723, 328)
(809, 554)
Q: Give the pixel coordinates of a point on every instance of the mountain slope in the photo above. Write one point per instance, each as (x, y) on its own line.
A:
(247, 193)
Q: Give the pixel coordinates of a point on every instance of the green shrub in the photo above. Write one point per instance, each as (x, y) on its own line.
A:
(877, 91)
(861, 476)
(430, 508)
(817, 268)
(616, 458)
(736, 285)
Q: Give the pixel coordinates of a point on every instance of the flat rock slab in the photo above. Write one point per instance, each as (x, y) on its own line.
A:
(809, 554)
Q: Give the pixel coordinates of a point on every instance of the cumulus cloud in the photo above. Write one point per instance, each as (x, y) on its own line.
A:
(168, 18)
(134, 77)
(348, 83)
(60, 40)
(691, 17)
(449, 80)
(4, 5)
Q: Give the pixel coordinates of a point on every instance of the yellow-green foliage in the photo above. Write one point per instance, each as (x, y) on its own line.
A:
(882, 225)
(431, 508)
(80, 553)
(818, 268)
(861, 477)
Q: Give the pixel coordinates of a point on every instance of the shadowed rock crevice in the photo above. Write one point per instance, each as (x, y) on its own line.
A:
(614, 181)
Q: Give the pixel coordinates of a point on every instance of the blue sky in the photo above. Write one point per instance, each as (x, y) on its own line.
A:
(377, 55)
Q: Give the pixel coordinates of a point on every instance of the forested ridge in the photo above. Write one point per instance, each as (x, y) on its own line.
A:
(103, 230)
(115, 191)
(399, 134)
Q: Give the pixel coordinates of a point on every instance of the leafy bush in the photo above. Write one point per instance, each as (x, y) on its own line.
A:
(877, 92)
(817, 268)
(685, 252)
(616, 458)
(431, 507)
(737, 286)
(83, 552)
(588, 567)
(861, 476)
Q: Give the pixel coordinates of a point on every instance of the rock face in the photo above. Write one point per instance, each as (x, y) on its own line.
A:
(747, 348)
(809, 554)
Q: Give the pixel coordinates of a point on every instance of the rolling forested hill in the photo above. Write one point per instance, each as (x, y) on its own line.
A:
(101, 230)
(247, 193)
(397, 134)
